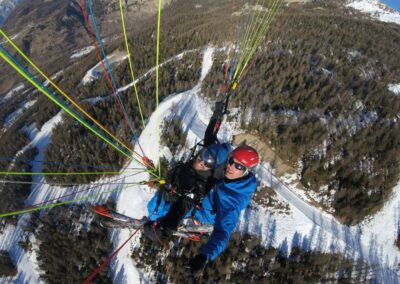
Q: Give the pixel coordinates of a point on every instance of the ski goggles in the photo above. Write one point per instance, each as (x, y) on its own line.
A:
(207, 158)
(238, 166)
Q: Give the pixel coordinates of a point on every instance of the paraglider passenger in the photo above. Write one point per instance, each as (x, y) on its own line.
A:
(227, 199)
(187, 184)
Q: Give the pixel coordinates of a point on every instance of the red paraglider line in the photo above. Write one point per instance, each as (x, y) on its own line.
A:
(90, 278)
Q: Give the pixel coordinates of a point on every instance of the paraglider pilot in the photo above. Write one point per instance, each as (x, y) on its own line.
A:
(228, 198)
(213, 187)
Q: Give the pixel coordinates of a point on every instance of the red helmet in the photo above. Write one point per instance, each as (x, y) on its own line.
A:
(246, 155)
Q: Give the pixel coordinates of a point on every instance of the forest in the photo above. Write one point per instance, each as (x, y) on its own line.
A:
(246, 259)
(321, 99)
(316, 90)
(64, 232)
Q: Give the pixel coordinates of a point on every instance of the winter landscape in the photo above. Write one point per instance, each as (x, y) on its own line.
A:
(319, 98)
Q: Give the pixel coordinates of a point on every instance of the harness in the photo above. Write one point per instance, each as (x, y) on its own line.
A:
(210, 137)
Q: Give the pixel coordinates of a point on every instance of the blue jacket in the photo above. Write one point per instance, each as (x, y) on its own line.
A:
(227, 200)
(220, 152)
(221, 207)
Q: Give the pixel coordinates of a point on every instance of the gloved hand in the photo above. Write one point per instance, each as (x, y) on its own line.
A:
(183, 178)
(197, 265)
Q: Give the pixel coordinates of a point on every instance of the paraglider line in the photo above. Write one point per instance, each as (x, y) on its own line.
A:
(90, 278)
(108, 71)
(130, 61)
(62, 92)
(157, 78)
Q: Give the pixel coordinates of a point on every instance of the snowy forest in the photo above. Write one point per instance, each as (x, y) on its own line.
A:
(320, 97)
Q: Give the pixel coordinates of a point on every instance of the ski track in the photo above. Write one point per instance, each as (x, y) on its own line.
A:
(133, 203)
(91, 74)
(82, 52)
(306, 227)
(124, 88)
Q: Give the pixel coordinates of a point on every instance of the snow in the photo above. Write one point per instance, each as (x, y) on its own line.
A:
(14, 115)
(82, 52)
(145, 75)
(28, 270)
(53, 77)
(377, 10)
(303, 225)
(133, 203)
(354, 53)
(395, 88)
(94, 72)
(6, 7)
(11, 37)
(12, 92)
(383, 228)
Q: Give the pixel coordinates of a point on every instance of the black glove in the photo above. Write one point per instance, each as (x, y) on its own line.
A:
(197, 265)
(183, 177)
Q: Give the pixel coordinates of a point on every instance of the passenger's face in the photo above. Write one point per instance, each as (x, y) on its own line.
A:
(232, 172)
(199, 165)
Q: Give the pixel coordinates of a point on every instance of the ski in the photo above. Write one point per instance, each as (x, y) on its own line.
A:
(115, 219)
(190, 230)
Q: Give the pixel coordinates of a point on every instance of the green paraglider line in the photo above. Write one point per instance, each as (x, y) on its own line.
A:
(157, 78)
(255, 38)
(248, 36)
(97, 42)
(10, 41)
(53, 205)
(250, 43)
(67, 110)
(57, 174)
(48, 206)
(130, 62)
(275, 8)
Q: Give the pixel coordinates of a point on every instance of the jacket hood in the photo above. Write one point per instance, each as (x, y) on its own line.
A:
(237, 193)
(220, 153)
(245, 185)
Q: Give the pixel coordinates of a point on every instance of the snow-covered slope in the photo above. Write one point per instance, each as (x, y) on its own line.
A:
(10, 93)
(10, 236)
(133, 202)
(377, 10)
(14, 115)
(113, 60)
(304, 225)
(82, 52)
(28, 270)
(6, 7)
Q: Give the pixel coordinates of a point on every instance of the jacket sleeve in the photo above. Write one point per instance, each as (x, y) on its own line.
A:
(210, 136)
(225, 223)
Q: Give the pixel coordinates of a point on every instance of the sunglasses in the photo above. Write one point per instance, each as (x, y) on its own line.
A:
(238, 166)
(207, 158)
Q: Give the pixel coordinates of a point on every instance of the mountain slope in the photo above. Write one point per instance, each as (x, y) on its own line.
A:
(318, 91)
(303, 224)
(377, 10)
(6, 7)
